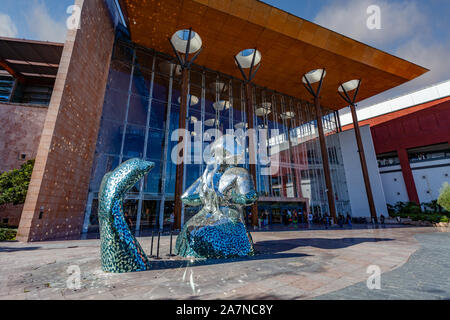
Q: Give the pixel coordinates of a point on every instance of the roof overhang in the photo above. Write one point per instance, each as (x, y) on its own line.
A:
(29, 60)
(290, 46)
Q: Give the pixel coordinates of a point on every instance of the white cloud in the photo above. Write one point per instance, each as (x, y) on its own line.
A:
(405, 31)
(433, 56)
(7, 26)
(398, 20)
(43, 26)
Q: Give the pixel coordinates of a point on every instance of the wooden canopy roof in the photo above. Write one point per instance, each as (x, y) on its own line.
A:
(290, 46)
(30, 60)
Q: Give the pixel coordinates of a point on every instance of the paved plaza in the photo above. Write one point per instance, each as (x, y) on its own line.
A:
(290, 264)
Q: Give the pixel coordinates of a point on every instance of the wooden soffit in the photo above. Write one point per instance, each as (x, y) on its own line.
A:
(290, 46)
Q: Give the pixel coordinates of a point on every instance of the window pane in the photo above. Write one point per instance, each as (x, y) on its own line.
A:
(110, 137)
(119, 76)
(103, 164)
(161, 88)
(134, 142)
(158, 115)
(137, 114)
(150, 215)
(155, 144)
(152, 181)
(115, 105)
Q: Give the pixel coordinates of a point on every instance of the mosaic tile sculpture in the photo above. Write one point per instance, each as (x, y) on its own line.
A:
(120, 251)
(218, 230)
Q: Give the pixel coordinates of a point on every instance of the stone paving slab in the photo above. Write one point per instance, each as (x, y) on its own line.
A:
(293, 264)
(426, 275)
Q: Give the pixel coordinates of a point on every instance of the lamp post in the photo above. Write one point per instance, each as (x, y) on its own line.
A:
(250, 59)
(343, 91)
(308, 79)
(183, 42)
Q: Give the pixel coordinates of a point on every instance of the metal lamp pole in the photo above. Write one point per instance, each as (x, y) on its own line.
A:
(362, 158)
(249, 112)
(185, 64)
(323, 146)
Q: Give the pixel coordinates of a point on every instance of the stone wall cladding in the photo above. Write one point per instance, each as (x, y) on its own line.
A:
(60, 180)
(12, 213)
(21, 128)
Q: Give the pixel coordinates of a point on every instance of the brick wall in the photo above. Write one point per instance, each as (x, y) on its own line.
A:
(21, 128)
(60, 180)
(11, 213)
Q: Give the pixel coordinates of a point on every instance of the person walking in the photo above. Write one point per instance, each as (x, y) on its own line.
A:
(171, 220)
(310, 220)
(327, 221)
(341, 220)
(295, 218)
(349, 220)
(286, 217)
(260, 220)
(266, 219)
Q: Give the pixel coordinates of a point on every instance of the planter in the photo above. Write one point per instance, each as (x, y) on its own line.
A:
(442, 224)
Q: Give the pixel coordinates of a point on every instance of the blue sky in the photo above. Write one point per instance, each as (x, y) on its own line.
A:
(416, 30)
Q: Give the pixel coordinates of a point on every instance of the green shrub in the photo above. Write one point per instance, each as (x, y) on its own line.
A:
(411, 208)
(14, 184)
(444, 219)
(8, 234)
(444, 197)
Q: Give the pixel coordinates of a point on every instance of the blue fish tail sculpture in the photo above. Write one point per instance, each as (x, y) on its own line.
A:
(120, 251)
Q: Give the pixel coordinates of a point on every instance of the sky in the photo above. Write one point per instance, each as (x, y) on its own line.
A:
(415, 30)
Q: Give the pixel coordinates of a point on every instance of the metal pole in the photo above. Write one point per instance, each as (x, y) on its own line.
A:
(325, 162)
(151, 248)
(181, 138)
(170, 251)
(251, 148)
(362, 159)
(157, 247)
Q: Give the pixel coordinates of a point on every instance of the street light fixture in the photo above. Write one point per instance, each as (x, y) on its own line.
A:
(250, 60)
(184, 43)
(344, 90)
(308, 79)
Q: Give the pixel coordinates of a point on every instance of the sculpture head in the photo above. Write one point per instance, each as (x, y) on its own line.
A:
(228, 149)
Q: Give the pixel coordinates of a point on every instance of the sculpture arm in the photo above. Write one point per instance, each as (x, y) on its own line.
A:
(238, 182)
(192, 195)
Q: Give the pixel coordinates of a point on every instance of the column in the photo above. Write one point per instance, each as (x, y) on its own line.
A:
(181, 139)
(251, 147)
(325, 162)
(362, 159)
(408, 176)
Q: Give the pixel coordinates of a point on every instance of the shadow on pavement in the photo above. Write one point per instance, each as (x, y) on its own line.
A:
(12, 249)
(272, 246)
(171, 264)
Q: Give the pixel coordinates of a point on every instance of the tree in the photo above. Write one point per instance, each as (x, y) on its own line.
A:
(444, 197)
(14, 184)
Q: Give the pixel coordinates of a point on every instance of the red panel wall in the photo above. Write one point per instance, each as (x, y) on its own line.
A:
(426, 126)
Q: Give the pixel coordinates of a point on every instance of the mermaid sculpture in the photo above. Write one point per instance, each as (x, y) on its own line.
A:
(120, 251)
(218, 229)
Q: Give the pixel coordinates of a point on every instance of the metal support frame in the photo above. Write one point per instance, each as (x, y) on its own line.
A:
(323, 145)
(185, 64)
(249, 113)
(362, 157)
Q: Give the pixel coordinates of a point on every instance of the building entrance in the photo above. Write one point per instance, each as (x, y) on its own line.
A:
(278, 212)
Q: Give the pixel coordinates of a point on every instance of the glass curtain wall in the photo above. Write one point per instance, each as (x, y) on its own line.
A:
(140, 118)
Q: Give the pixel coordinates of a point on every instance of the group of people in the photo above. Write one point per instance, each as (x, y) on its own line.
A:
(296, 217)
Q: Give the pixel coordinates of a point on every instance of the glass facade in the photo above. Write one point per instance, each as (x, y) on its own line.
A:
(140, 116)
